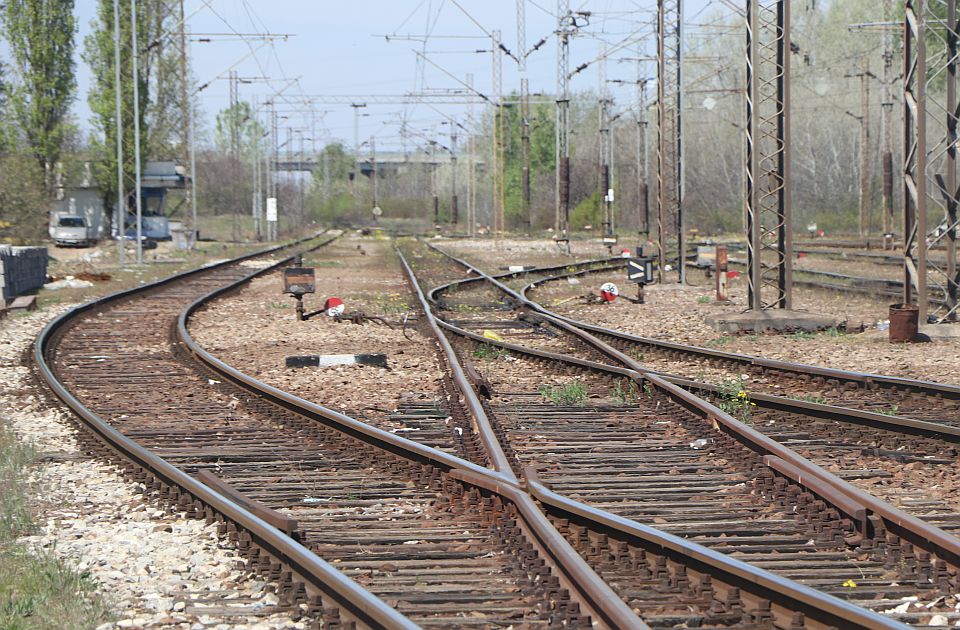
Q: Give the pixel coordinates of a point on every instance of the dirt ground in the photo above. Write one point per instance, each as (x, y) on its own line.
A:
(99, 265)
(256, 329)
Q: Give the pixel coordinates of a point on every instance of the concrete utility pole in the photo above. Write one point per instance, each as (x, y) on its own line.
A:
(454, 210)
(527, 210)
(356, 151)
(865, 149)
(643, 205)
(564, 32)
(136, 127)
(498, 156)
(865, 146)
(185, 120)
(373, 174)
(768, 177)
(235, 142)
(606, 152)
(471, 184)
(670, 223)
(435, 197)
(121, 215)
(887, 120)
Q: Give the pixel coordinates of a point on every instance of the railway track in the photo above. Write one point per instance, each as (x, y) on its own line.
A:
(663, 579)
(598, 458)
(356, 525)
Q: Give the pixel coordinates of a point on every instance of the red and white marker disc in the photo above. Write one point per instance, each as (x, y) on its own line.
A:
(625, 253)
(334, 306)
(609, 291)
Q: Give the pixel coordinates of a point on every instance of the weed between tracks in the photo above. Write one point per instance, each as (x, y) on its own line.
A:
(487, 351)
(733, 399)
(36, 589)
(625, 395)
(572, 394)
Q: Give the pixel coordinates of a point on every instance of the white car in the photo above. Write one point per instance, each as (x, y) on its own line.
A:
(72, 230)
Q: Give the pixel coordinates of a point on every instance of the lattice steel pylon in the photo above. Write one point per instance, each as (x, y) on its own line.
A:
(767, 176)
(670, 224)
(930, 174)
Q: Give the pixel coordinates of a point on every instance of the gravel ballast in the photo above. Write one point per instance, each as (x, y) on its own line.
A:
(154, 569)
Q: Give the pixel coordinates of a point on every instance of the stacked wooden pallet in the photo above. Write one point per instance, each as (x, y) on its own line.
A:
(22, 269)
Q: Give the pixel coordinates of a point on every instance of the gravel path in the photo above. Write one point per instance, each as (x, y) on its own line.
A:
(155, 569)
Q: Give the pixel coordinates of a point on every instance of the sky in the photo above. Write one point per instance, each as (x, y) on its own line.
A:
(337, 47)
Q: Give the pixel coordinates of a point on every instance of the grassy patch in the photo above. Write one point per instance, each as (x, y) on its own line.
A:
(488, 351)
(802, 334)
(703, 299)
(572, 394)
(36, 590)
(719, 341)
(391, 303)
(733, 399)
(625, 392)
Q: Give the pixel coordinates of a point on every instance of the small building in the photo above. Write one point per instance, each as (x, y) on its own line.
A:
(83, 197)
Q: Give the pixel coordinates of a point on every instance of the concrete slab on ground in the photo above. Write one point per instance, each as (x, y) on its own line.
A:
(777, 320)
(941, 331)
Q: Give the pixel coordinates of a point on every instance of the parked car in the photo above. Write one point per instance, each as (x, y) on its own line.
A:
(72, 230)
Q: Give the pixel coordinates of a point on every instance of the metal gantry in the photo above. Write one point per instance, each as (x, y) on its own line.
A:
(930, 57)
(767, 168)
(670, 222)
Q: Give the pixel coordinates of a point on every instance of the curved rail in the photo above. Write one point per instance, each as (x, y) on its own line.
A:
(579, 578)
(758, 583)
(320, 576)
(834, 490)
(609, 608)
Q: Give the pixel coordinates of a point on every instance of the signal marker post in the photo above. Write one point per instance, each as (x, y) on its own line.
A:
(271, 218)
(640, 270)
(722, 264)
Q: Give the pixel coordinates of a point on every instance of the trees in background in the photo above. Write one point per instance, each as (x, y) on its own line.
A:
(40, 36)
(159, 81)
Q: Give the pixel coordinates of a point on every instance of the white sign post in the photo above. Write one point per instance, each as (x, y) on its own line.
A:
(271, 218)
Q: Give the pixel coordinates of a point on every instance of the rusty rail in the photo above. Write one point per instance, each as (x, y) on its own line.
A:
(784, 594)
(595, 595)
(757, 582)
(576, 575)
(318, 575)
(921, 534)
(861, 378)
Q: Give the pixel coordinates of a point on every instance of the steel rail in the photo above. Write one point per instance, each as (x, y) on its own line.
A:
(760, 584)
(753, 583)
(592, 591)
(481, 423)
(316, 574)
(900, 424)
(611, 264)
(930, 388)
(873, 419)
(819, 606)
(916, 531)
